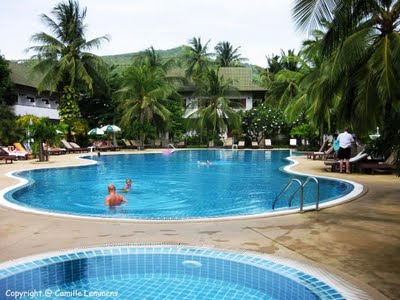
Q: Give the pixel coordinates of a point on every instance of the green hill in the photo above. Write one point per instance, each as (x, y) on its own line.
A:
(126, 59)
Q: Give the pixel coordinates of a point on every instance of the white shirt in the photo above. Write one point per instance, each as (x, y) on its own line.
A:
(345, 139)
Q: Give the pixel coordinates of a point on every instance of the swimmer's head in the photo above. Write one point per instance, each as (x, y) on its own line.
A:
(128, 181)
(111, 187)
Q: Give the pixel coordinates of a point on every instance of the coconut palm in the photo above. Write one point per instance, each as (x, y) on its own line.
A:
(44, 132)
(227, 56)
(363, 38)
(197, 58)
(215, 110)
(143, 97)
(62, 57)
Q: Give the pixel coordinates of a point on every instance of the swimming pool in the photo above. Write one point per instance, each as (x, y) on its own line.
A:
(168, 272)
(176, 186)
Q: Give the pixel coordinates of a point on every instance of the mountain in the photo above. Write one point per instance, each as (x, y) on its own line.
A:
(126, 59)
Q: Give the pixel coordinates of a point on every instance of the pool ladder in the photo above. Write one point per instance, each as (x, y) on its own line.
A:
(301, 189)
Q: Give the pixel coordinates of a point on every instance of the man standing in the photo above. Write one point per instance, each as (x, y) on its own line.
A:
(113, 199)
(345, 141)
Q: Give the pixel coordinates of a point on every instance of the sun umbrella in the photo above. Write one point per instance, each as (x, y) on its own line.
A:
(96, 131)
(110, 128)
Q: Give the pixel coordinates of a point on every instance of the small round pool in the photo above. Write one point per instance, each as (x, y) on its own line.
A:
(175, 186)
(167, 272)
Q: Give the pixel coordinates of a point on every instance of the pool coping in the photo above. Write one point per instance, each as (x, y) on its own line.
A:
(354, 194)
(279, 264)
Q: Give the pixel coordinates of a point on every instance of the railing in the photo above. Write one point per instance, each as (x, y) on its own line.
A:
(301, 189)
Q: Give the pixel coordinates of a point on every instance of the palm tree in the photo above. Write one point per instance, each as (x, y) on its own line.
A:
(216, 111)
(44, 132)
(363, 40)
(62, 57)
(153, 59)
(8, 132)
(143, 98)
(196, 57)
(227, 56)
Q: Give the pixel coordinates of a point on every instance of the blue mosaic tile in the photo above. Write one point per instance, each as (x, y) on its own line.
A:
(162, 269)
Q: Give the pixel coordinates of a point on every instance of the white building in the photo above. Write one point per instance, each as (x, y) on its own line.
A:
(28, 101)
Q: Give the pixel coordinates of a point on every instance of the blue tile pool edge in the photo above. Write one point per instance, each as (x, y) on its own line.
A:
(357, 191)
(319, 281)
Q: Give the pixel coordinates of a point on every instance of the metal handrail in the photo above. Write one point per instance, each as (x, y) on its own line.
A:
(286, 188)
(301, 188)
(317, 194)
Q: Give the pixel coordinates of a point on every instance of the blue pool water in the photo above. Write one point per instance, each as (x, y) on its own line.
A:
(161, 273)
(171, 186)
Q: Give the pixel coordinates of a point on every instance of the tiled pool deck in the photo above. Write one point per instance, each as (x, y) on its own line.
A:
(360, 238)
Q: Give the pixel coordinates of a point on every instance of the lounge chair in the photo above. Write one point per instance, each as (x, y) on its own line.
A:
(321, 154)
(387, 165)
(77, 147)
(228, 142)
(267, 143)
(104, 146)
(157, 143)
(293, 143)
(128, 144)
(241, 145)
(52, 150)
(354, 161)
(254, 145)
(19, 147)
(135, 144)
(69, 147)
(18, 154)
(7, 157)
(181, 144)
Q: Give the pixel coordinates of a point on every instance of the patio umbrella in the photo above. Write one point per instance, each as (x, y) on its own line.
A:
(111, 129)
(96, 131)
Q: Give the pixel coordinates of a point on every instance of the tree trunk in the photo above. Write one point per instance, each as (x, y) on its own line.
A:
(321, 134)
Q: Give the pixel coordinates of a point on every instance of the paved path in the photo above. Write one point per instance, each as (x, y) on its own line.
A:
(360, 238)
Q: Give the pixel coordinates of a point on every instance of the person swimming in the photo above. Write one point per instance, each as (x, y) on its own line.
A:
(127, 186)
(207, 162)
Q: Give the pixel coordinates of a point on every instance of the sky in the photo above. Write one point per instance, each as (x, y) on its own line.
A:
(259, 27)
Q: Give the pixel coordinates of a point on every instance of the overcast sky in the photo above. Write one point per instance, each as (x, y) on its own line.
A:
(260, 27)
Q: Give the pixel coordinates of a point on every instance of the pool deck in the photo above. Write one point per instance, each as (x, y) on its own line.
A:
(358, 240)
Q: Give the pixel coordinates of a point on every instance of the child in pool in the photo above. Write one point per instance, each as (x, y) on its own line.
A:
(127, 186)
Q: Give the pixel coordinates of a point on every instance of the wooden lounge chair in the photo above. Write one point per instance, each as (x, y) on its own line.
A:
(157, 143)
(254, 145)
(53, 150)
(128, 144)
(135, 144)
(354, 161)
(7, 157)
(18, 154)
(267, 143)
(321, 154)
(228, 142)
(293, 143)
(241, 145)
(78, 148)
(19, 147)
(181, 144)
(68, 147)
(372, 167)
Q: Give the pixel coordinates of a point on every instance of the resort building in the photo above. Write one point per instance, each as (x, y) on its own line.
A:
(45, 105)
(242, 77)
(28, 101)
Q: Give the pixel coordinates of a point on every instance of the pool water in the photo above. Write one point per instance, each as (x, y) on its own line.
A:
(162, 272)
(172, 186)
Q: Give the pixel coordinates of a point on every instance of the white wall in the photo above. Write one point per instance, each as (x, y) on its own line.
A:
(28, 104)
(51, 113)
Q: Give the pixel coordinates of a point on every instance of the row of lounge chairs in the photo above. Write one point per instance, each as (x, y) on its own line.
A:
(228, 143)
(363, 164)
